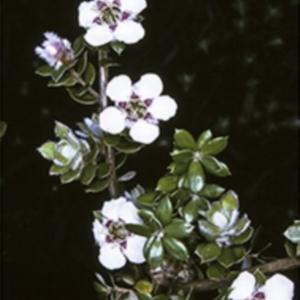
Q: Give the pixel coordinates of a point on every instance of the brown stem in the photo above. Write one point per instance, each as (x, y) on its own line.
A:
(83, 83)
(282, 264)
(110, 154)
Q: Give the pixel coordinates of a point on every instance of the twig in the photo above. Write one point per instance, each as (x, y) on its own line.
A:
(110, 154)
(282, 264)
(83, 83)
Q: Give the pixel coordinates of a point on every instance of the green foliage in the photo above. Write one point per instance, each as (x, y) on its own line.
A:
(292, 233)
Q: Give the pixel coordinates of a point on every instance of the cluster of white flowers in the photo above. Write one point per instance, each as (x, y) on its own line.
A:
(115, 242)
(55, 50)
(277, 287)
(138, 107)
(111, 20)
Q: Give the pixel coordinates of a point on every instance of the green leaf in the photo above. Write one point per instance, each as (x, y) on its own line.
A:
(3, 128)
(89, 74)
(190, 211)
(88, 174)
(231, 256)
(70, 176)
(111, 140)
(86, 99)
(196, 177)
(244, 237)
(61, 130)
(144, 286)
(184, 140)
(175, 248)
(66, 80)
(214, 166)
(260, 278)
(58, 170)
(230, 201)
(204, 138)
(139, 229)
(177, 168)
(147, 199)
(144, 297)
(82, 63)
(215, 146)
(212, 191)
(167, 183)
(129, 148)
(44, 71)
(164, 210)
(97, 186)
(208, 252)
(293, 233)
(103, 170)
(162, 297)
(47, 150)
(208, 230)
(57, 74)
(155, 254)
(178, 229)
(120, 160)
(182, 156)
(118, 47)
(290, 249)
(78, 46)
(215, 271)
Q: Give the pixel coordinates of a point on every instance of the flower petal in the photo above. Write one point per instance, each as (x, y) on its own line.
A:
(279, 287)
(149, 86)
(129, 213)
(129, 32)
(242, 286)
(99, 232)
(112, 120)
(111, 209)
(134, 249)
(163, 108)
(119, 88)
(144, 132)
(98, 35)
(135, 6)
(111, 256)
(86, 14)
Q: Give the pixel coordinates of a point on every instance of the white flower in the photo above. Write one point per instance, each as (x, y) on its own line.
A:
(116, 243)
(138, 107)
(111, 20)
(278, 287)
(55, 50)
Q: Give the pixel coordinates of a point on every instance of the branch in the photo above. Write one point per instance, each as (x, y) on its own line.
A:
(83, 83)
(282, 264)
(110, 154)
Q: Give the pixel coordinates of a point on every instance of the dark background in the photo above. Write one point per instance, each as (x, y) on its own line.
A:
(232, 66)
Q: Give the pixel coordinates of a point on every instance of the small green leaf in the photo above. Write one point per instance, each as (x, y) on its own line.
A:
(78, 46)
(66, 80)
(156, 253)
(212, 191)
(182, 156)
(144, 286)
(190, 211)
(196, 177)
(70, 176)
(293, 233)
(97, 186)
(147, 199)
(88, 174)
(86, 99)
(139, 229)
(208, 252)
(162, 297)
(260, 278)
(129, 148)
(214, 166)
(167, 183)
(103, 170)
(118, 47)
(290, 249)
(61, 130)
(215, 271)
(244, 237)
(177, 168)
(164, 210)
(89, 74)
(44, 71)
(175, 248)
(231, 256)
(144, 296)
(111, 140)
(47, 150)
(215, 146)
(121, 158)
(204, 138)
(184, 140)
(178, 229)
(82, 63)
(230, 201)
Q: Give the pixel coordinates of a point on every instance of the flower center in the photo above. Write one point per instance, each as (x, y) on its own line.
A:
(259, 296)
(116, 231)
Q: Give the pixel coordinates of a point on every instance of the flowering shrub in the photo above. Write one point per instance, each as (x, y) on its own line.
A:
(185, 236)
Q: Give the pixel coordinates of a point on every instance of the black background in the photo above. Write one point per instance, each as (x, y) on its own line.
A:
(233, 71)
